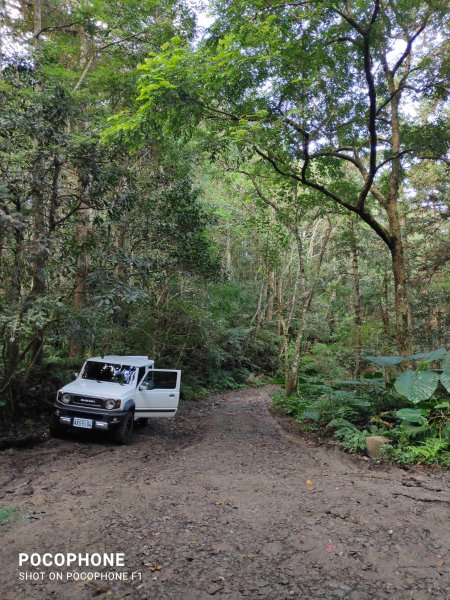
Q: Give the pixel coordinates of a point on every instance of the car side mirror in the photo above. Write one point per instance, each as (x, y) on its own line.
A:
(143, 386)
(75, 375)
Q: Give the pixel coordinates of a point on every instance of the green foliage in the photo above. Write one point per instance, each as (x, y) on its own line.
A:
(289, 405)
(129, 227)
(6, 514)
(430, 451)
(350, 436)
(417, 385)
(385, 361)
(424, 357)
(318, 404)
(321, 361)
(412, 415)
(445, 375)
(129, 222)
(353, 410)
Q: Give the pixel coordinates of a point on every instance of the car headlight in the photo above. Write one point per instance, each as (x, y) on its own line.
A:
(66, 398)
(110, 404)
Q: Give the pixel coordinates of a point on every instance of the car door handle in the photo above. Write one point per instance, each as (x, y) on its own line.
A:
(171, 395)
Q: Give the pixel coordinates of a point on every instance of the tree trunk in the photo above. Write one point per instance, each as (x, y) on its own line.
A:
(54, 196)
(401, 300)
(3, 20)
(292, 377)
(228, 257)
(384, 309)
(38, 201)
(79, 291)
(402, 311)
(38, 198)
(11, 340)
(279, 301)
(260, 309)
(356, 298)
(271, 294)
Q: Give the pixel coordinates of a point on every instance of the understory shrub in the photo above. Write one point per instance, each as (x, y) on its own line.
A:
(410, 408)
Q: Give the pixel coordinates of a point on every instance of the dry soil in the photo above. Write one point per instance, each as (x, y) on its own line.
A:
(222, 502)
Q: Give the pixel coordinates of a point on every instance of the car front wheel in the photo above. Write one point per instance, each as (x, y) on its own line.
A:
(122, 435)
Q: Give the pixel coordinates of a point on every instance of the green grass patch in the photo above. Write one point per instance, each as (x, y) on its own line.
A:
(6, 514)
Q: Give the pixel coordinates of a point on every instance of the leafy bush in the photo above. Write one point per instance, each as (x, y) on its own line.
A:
(430, 451)
(412, 410)
(321, 361)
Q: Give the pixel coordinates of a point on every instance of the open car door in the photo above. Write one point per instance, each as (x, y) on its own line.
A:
(158, 394)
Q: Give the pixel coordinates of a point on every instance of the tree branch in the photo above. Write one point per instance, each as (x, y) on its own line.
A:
(55, 27)
(351, 21)
(409, 44)
(365, 215)
(372, 124)
(216, 110)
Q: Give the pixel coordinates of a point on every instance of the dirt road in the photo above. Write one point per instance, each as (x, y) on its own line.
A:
(214, 503)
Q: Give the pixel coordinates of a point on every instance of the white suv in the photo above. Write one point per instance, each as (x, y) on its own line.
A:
(112, 392)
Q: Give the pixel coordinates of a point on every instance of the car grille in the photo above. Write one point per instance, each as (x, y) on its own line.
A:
(85, 401)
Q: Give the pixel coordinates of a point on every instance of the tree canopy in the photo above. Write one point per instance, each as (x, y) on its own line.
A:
(268, 196)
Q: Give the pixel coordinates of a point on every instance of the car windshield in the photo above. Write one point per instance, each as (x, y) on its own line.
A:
(100, 371)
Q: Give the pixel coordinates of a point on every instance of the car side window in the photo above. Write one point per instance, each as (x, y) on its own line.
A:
(160, 380)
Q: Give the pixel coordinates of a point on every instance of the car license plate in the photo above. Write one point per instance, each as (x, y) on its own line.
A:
(85, 423)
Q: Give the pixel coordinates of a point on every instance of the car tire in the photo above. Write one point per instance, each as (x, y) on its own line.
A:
(56, 429)
(122, 435)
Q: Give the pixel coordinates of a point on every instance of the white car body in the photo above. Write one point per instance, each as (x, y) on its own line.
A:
(108, 388)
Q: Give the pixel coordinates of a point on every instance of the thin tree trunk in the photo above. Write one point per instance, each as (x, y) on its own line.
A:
(385, 308)
(356, 297)
(401, 299)
(397, 252)
(279, 301)
(292, 378)
(228, 257)
(11, 341)
(330, 317)
(270, 292)
(402, 311)
(3, 20)
(54, 197)
(38, 199)
(79, 291)
(259, 313)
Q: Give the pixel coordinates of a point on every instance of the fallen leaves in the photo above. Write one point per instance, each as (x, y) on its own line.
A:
(226, 504)
(154, 568)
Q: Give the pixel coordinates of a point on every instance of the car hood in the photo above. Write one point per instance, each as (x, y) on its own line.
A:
(96, 389)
